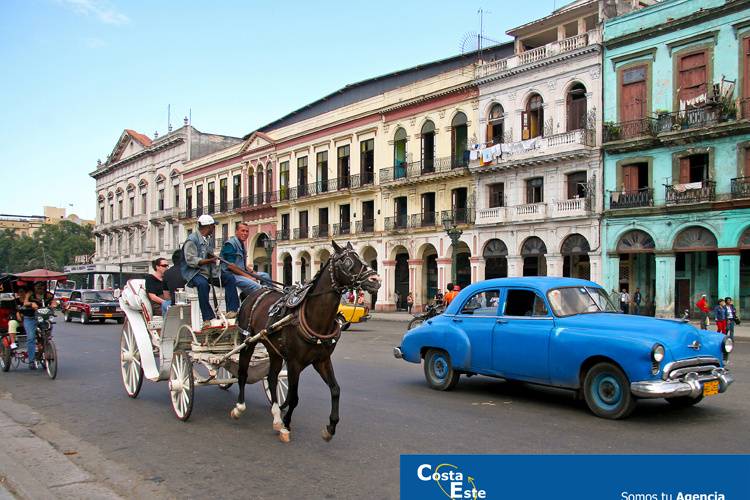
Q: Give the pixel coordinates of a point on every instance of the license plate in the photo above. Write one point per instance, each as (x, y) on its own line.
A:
(711, 388)
(108, 315)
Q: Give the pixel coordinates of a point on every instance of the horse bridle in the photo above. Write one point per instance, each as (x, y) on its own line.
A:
(346, 259)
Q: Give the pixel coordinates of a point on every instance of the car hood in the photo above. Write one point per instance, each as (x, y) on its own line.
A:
(103, 304)
(675, 335)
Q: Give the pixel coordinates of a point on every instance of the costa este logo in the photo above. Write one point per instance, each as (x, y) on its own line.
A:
(451, 481)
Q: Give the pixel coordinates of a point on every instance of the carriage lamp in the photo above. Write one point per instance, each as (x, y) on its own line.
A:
(269, 244)
(454, 234)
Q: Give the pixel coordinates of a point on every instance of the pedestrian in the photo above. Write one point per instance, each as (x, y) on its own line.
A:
(116, 292)
(614, 297)
(625, 301)
(449, 295)
(732, 318)
(409, 302)
(720, 315)
(637, 301)
(702, 306)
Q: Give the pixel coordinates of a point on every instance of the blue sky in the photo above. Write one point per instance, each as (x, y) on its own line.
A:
(78, 72)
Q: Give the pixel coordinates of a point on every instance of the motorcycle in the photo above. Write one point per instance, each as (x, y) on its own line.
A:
(431, 310)
(46, 350)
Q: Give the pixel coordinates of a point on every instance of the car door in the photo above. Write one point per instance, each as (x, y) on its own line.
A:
(476, 318)
(520, 341)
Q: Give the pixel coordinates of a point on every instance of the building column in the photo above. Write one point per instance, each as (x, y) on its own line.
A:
(612, 273)
(515, 266)
(554, 265)
(729, 275)
(386, 294)
(477, 269)
(665, 276)
(297, 271)
(416, 283)
(595, 268)
(444, 272)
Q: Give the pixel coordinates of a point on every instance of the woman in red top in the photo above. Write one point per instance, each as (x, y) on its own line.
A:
(702, 305)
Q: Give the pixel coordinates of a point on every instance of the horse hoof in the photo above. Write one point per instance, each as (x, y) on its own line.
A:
(327, 436)
(278, 426)
(284, 436)
(234, 414)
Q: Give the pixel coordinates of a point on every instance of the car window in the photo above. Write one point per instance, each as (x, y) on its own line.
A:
(524, 303)
(98, 297)
(75, 296)
(482, 303)
(579, 300)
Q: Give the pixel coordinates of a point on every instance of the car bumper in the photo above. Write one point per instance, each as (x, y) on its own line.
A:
(397, 353)
(364, 318)
(106, 315)
(690, 385)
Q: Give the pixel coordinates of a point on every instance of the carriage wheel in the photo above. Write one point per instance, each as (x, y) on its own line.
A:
(282, 386)
(181, 385)
(5, 357)
(130, 362)
(49, 358)
(223, 373)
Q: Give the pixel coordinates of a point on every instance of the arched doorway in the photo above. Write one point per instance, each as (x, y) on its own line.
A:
(287, 270)
(100, 282)
(323, 257)
(370, 256)
(305, 264)
(575, 251)
(463, 265)
(533, 252)
(742, 303)
(576, 107)
(401, 278)
(259, 256)
(532, 119)
(429, 273)
(696, 268)
(495, 259)
(459, 141)
(637, 271)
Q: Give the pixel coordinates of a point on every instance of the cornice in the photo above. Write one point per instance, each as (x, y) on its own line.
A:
(145, 152)
(589, 49)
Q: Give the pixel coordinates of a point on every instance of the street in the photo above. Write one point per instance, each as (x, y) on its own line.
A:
(386, 410)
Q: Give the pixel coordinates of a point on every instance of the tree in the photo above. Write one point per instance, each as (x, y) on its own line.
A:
(52, 246)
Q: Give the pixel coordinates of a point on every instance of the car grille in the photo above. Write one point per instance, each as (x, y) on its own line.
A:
(108, 309)
(701, 364)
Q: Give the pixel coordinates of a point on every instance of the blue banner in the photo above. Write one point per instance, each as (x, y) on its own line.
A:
(580, 477)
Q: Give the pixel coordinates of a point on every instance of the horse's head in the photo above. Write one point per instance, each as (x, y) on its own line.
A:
(350, 271)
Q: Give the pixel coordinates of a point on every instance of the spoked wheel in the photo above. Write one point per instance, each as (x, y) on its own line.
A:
(5, 357)
(282, 386)
(130, 362)
(181, 385)
(49, 358)
(223, 373)
(415, 323)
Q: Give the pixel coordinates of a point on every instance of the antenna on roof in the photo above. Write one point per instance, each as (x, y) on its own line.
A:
(169, 118)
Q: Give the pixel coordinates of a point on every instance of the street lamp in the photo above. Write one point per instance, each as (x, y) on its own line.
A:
(454, 234)
(269, 243)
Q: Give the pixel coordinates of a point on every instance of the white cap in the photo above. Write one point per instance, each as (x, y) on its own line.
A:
(206, 220)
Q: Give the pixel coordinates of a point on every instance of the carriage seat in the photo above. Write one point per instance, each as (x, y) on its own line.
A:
(134, 295)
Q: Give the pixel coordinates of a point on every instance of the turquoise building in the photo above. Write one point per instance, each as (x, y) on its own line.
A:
(676, 144)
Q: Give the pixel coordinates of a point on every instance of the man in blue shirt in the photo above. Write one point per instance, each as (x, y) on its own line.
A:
(234, 251)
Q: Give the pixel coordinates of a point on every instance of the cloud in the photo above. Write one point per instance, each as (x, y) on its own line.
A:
(100, 9)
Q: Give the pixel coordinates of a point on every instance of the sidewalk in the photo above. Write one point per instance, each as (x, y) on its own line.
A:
(740, 332)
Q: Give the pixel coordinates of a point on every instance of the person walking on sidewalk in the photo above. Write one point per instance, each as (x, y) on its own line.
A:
(702, 306)
(720, 315)
(409, 302)
(637, 298)
(732, 318)
(625, 301)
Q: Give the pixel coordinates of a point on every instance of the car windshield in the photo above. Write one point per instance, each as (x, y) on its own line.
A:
(63, 293)
(98, 297)
(579, 300)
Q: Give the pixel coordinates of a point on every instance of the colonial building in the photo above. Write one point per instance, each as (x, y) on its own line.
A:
(139, 190)
(677, 154)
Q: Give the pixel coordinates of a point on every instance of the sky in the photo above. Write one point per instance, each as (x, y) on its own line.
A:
(79, 72)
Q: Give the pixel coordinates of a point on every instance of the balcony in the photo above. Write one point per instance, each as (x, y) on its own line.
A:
(283, 234)
(320, 187)
(342, 228)
(321, 231)
(364, 179)
(689, 119)
(692, 192)
(741, 187)
(463, 215)
(532, 149)
(396, 223)
(425, 219)
(571, 207)
(301, 233)
(531, 211)
(418, 169)
(538, 54)
(365, 226)
(629, 130)
(631, 199)
(493, 215)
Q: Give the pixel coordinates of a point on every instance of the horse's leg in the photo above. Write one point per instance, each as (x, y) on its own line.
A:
(293, 372)
(325, 369)
(244, 362)
(273, 380)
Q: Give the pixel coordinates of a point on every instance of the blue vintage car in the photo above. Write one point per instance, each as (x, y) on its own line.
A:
(564, 332)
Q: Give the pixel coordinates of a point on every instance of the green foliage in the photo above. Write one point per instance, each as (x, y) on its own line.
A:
(59, 243)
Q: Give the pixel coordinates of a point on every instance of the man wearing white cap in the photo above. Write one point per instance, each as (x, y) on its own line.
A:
(198, 268)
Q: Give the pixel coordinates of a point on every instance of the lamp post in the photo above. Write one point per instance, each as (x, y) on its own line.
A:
(269, 243)
(454, 234)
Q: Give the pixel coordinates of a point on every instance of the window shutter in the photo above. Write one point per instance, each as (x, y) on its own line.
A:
(630, 178)
(525, 132)
(488, 134)
(684, 170)
(747, 163)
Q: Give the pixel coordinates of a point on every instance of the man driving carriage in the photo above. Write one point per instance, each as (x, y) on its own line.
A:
(200, 270)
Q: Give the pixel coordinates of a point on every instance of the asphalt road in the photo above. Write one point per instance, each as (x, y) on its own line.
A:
(386, 410)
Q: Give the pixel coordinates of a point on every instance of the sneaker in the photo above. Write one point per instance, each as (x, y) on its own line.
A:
(231, 315)
(32, 365)
(206, 324)
(13, 345)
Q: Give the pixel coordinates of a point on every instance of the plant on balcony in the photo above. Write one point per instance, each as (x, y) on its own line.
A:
(680, 121)
(612, 131)
(727, 108)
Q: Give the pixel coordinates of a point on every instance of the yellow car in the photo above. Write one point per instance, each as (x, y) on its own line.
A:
(349, 313)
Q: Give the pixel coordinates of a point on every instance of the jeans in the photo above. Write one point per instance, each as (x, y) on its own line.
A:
(230, 293)
(247, 285)
(29, 324)
(730, 328)
(637, 308)
(165, 306)
(624, 307)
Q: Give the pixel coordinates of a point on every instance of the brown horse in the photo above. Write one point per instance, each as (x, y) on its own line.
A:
(309, 337)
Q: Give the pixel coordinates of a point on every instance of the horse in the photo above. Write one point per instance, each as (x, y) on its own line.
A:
(308, 336)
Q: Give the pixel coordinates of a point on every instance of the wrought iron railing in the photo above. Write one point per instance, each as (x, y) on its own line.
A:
(688, 119)
(741, 187)
(365, 226)
(342, 228)
(464, 215)
(283, 234)
(686, 193)
(425, 219)
(397, 222)
(362, 179)
(643, 197)
(417, 169)
(631, 129)
(321, 231)
(301, 233)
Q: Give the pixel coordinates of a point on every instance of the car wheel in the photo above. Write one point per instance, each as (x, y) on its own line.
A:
(684, 401)
(102, 320)
(84, 318)
(607, 392)
(438, 370)
(343, 322)
(68, 317)
(415, 323)
(120, 321)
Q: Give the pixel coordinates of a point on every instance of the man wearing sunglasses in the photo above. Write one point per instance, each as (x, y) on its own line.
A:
(156, 289)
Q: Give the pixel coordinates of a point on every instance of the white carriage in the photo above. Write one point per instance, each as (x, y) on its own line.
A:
(174, 348)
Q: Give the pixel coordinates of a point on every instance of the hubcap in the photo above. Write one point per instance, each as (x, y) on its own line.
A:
(607, 391)
(440, 367)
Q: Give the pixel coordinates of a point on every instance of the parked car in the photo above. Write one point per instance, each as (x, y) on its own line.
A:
(350, 313)
(564, 332)
(89, 305)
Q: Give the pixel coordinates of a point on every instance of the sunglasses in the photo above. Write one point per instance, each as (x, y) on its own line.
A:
(163, 265)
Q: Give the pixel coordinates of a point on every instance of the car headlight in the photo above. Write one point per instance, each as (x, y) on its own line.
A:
(94, 309)
(657, 353)
(727, 345)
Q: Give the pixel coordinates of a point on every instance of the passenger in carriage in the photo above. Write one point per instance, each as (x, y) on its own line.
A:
(198, 268)
(158, 294)
(173, 279)
(234, 251)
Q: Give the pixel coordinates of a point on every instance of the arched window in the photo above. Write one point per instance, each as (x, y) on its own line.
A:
(269, 182)
(259, 182)
(532, 120)
(428, 147)
(576, 107)
(459, 141)
(496, 124)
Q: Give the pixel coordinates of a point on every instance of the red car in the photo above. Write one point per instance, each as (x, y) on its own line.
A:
(89, 305)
